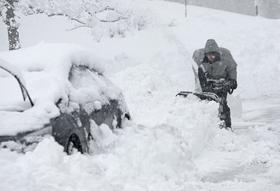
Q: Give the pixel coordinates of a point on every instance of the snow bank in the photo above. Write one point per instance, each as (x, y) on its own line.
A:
(196, 122)
(182, 153)
(136, 160)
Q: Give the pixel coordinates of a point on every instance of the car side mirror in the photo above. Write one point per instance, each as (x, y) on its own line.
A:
(62, 103)
(58, 102)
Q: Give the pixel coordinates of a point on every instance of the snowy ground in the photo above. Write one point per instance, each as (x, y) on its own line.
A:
(173, 143)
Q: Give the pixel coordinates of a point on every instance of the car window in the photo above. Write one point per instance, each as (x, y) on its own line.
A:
(88, 86)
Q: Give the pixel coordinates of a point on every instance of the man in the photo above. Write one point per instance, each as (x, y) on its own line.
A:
(217, 74)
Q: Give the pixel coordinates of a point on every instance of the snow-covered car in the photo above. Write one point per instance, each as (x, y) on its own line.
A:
(65, 95)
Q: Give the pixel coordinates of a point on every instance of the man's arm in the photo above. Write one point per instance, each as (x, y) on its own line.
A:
(231, 72)
(231, 68)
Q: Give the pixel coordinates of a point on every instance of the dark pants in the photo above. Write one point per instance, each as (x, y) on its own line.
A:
(224, 110)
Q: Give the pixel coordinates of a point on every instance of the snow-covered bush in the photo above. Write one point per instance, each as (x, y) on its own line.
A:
(106, 18)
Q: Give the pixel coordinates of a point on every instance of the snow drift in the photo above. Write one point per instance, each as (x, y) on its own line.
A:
(173, 144)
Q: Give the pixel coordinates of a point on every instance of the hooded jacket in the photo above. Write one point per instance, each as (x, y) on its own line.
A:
(223, 67)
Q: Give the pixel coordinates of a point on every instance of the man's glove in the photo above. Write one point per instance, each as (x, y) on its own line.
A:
(207, 88)
(230, 85)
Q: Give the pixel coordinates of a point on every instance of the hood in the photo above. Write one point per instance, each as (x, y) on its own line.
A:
(211, 46)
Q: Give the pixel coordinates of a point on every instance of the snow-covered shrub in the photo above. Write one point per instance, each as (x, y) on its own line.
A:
(106, 18)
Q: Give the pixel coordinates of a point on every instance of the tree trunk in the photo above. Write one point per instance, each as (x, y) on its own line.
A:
(12, 25)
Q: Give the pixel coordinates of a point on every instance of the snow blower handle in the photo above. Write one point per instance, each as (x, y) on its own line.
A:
(220, 85)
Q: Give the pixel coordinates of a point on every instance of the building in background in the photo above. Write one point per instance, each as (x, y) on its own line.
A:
(264, 8)
(269, 8)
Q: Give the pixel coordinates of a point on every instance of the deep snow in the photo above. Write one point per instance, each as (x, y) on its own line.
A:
(172, 143)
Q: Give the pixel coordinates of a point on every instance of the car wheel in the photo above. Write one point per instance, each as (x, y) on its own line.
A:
(122, 119)
(73, 144)
(127, 116)
(118, 119)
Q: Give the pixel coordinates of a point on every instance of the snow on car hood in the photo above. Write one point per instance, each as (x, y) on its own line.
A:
(45, 69)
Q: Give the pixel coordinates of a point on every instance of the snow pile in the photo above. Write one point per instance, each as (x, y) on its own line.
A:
(136, 160)
(34, 118)
(175, 155)
(196, 122)
(246, 160)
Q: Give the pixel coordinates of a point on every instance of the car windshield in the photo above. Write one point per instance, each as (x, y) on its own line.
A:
(89, 88)
(87, 83)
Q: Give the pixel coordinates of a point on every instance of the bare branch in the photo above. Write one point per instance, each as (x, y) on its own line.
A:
(77, 27)
(68, 16)
(112, 21)
(108, 9)
(39, 11)
(81, 22)
(105, 9)
(34, 10)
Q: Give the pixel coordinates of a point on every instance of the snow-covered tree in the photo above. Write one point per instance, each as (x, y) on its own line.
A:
(7, 13)
(104, 17)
